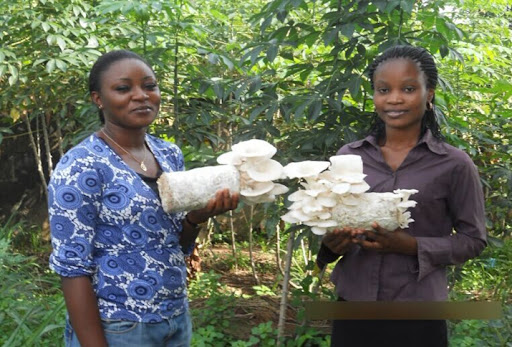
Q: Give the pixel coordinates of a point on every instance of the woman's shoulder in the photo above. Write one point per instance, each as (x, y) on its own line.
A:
(455, 154)
(162, 144)
(355, 146)
(90, 153)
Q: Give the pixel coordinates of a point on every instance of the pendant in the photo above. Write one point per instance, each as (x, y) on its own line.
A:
(143, 166)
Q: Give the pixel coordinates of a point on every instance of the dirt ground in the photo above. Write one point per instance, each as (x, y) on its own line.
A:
(251, 309)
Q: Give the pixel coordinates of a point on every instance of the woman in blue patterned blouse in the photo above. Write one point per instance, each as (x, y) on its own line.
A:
(120, 256)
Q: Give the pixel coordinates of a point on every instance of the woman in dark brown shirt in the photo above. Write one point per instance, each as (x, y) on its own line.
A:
(405, 150)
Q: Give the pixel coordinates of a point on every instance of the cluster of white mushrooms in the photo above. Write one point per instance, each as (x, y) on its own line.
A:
(257, 170)
(247, 169)
(334, 195)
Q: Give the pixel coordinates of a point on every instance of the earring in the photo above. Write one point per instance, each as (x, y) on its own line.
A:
(430, 106)
(100, 107)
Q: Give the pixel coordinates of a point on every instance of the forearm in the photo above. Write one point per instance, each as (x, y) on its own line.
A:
(189, 233)
(82, 306)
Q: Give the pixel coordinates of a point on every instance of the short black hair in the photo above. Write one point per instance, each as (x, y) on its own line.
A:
(426, 64)
(103, 63)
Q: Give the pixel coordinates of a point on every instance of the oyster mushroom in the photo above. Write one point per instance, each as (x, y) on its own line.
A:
(254, 148)
(265, 170)
(259, 188)
(305, 169)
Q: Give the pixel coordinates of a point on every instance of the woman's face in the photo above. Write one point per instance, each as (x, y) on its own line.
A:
(129, 94)
(401, 94)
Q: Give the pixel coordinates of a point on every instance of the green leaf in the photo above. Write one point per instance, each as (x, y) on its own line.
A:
(61, 65)
(330, 36)
(354, 86)
(347, 30)
(14, 72)
(45, 26)
(272, 52)
(314, 109)
(61, 43)
(227, 62)
(407, 5)
(50, 65)
(219, 90)
(255, 84)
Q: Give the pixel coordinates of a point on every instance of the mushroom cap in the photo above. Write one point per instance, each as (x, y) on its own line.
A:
(308, 168)
(341, 188)
(229, 158)
(318, 230)
(254, 148)
(346, 164)
(327, 201)
(279, 189)
(264, 170)
(297, 195)
(359, 188)
(258, 188)
(260, 199)
(347, 167)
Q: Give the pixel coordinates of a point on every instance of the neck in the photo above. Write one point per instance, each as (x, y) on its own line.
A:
(128, 138)
(397, 138)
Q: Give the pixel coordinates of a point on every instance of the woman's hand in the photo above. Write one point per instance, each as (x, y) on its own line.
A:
(339, 240)
(224, 201)
(382, 240)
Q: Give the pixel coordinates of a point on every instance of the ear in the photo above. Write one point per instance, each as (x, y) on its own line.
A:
(95, 97)
(430, 94)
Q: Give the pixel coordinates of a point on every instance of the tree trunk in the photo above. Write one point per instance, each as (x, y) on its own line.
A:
(37, 156)
(278, 249)
(253, 267)
(47, 147)
(233, 241)
(284, 293)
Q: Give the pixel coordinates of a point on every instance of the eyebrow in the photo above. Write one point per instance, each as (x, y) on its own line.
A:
(129, 79)
(409, 80)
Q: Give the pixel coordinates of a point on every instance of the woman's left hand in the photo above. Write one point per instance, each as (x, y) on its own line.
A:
(224, 201)
(382, 240)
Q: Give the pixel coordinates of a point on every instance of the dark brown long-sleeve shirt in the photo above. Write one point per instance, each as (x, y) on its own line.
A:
(449, 224)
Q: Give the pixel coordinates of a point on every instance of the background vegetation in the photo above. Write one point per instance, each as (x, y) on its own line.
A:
(292, 72)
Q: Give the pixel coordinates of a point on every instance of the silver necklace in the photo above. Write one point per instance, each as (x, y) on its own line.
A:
(141, 163)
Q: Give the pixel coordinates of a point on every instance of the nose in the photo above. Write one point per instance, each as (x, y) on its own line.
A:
(141, 94)
(395, 97)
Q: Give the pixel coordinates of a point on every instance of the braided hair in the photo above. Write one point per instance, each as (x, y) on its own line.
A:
(103, 64)
(426, 64)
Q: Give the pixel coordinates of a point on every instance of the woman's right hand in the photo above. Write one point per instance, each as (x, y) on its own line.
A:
(338, 240)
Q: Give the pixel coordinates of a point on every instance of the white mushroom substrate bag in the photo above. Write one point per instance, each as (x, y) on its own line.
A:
(190, 190)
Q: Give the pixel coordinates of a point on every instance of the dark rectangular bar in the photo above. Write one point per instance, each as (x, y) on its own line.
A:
(322, 310)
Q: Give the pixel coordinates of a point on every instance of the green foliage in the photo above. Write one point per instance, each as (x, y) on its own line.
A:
(471, 333)
(217, 309)
(31, 309)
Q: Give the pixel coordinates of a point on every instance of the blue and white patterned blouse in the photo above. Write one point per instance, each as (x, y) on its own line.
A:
(107, 223)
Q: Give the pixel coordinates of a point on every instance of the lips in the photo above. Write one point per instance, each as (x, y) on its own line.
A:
(145, 108)
(395, 113)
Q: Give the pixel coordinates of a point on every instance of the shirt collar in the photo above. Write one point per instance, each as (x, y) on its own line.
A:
(433, 144)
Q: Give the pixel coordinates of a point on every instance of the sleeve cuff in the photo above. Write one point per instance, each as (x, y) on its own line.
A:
(325, 256)
(432, 253)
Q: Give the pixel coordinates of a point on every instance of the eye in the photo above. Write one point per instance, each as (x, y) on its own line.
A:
(382, 90)
(409, 89)
(122, 88)
(151, 86)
